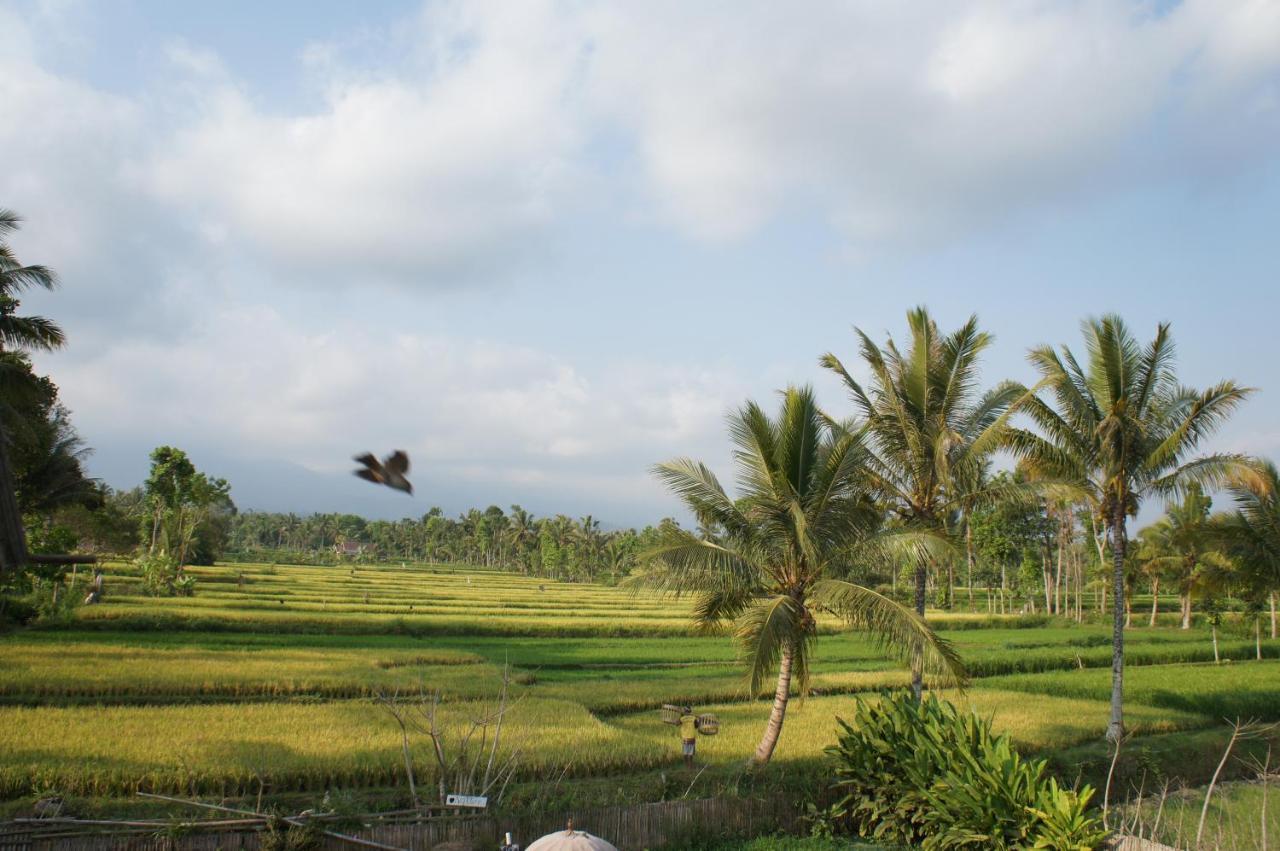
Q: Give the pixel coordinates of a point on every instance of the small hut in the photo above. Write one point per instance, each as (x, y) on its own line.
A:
(570, 840)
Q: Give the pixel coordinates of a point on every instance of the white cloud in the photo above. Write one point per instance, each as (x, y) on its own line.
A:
(252, 379)
(908, 120)
(447, 168)
(450, 161)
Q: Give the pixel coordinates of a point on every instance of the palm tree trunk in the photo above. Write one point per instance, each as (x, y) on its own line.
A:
(1214, 629)
(1057, 580)
(951, 584)
(1047, 576)
(968, 556)
(1004, 583)
(764, 751)
(1273, 615)
(1155, 598)
(1257, 638)
(917, 669)
(1185, 600)
(1115, 726)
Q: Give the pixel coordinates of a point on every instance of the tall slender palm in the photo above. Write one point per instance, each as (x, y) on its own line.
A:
(1152, 553)
(929, 429)
(1123, 429)
(783, 550)
(1251, 533)
(1198, 565)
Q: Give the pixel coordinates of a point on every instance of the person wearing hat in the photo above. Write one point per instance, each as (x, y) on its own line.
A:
(688, 735)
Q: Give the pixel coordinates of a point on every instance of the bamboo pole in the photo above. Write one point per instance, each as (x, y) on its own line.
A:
(354, 840)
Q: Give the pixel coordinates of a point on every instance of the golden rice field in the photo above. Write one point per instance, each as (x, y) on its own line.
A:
(223, 749)
(270, 673)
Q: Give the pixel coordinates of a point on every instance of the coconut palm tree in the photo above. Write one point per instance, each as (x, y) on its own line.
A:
(1152, 553)
(784, 549)
(929, 430)
(1124, 430)
(1195, 562)
(1251, 533)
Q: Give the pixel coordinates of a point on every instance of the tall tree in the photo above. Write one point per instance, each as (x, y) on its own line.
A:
(1124, 429)
(785, 547)
(929, 429)
(180, 498)
(1251, 533)
(1191, 558)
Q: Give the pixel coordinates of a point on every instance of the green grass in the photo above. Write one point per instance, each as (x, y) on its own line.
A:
(1227, 691)
(1234, 821)
(1043, 725)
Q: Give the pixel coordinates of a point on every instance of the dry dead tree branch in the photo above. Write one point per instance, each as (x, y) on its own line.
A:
(458, 758)
(1240, 731)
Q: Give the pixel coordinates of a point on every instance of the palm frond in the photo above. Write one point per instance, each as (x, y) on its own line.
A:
(893, 626)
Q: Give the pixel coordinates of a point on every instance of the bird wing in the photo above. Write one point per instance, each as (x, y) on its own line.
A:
(369, 476)
(398, 462)
(369, 460)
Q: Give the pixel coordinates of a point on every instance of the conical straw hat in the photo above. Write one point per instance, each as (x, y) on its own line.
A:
(570, 840)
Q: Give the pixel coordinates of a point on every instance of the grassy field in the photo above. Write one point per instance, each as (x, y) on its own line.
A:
(1240, 817)
(268, 674)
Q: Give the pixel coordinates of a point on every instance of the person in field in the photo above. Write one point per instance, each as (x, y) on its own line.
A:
(688, 735)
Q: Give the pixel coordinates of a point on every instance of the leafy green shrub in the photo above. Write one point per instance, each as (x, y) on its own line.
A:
(55, 602)
(162, 576)
(282, 836)
(926, 774)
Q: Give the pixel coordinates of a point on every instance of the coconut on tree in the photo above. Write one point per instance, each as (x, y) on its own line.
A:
(783, 551)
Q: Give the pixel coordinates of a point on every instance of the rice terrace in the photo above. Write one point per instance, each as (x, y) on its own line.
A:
(587, 426)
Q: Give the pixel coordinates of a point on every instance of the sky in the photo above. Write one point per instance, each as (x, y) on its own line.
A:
(542, 246)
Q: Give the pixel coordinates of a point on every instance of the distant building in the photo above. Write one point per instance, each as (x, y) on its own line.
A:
(353, 549)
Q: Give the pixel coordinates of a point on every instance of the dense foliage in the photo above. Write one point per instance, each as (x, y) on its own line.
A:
(558, 547)
(924, 773)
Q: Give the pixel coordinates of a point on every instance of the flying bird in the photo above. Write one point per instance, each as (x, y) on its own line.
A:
(389, 472)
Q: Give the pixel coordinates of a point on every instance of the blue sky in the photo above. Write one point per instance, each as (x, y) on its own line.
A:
(544, 245)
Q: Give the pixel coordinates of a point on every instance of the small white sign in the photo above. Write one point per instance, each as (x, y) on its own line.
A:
(466, 801)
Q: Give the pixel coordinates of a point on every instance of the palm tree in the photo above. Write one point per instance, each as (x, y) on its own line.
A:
(1152, 554)
(785, 548)
(51, 469)
(1123, 429)
(929, 430)
(1251, 533)
(523, 535)
(1187, 536)
(23, 332)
